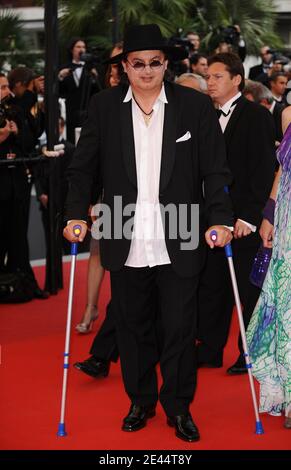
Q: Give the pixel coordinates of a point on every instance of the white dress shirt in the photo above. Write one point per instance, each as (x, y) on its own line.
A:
(228, 109)
(78, 72)
(148, 246)
(271, 109)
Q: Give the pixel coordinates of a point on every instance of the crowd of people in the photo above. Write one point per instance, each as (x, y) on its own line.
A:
(173, 127)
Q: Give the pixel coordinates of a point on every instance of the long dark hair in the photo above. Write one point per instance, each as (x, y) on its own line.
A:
(72, 43)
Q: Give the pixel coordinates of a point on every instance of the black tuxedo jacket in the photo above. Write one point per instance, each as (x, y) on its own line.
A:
(106, 147)
(75, 94)
(13, 178)
(277, 116)
(77, 98)
(249, 138)
(256, 71)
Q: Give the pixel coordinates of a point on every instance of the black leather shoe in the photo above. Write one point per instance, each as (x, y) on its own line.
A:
(137, 417)
(40, 294)
(185, 427)
(209, 364)
(238, 368)
(94, 367)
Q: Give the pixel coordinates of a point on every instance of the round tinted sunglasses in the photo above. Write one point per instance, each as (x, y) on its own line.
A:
(139, 66)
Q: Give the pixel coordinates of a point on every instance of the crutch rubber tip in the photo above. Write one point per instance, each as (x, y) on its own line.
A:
(259, 428)
(61, 430)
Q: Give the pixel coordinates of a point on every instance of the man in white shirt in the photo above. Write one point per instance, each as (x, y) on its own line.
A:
(278, 84)
(155, 145)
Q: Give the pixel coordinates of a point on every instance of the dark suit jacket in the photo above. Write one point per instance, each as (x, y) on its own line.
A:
(106, 146)
(277, 116)
(249, 138)
(256, 71)
(13, 178)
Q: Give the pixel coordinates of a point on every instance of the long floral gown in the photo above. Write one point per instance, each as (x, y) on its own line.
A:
(269, 331)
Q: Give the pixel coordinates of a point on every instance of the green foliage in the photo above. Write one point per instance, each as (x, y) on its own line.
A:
(92, 19)
(256, 19)
(10, 30)
(10, 37)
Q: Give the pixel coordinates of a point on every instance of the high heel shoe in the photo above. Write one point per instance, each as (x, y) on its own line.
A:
(85, 327)
(287, 422)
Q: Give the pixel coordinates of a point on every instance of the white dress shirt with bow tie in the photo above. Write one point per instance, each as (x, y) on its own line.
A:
(227, 110)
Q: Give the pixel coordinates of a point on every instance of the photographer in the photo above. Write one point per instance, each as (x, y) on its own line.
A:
(194, 40)
(260, 73)
(14, 190)
(231, 40)
(9, 133)
(10, 175)
(25, 87)
(78, 81)
(177, 68)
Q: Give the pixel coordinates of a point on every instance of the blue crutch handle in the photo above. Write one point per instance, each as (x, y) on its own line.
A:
(227, 248)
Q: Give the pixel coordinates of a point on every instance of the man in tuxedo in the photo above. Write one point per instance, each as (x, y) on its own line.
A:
(249, 136)
(78, 81)
(259, 93)
(155, 145)
(261, 72)
(278, 84)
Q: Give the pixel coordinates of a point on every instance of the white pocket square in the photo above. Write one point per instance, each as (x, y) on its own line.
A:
(184, 137)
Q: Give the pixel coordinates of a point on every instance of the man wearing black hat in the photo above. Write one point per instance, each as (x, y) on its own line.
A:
(156, 146)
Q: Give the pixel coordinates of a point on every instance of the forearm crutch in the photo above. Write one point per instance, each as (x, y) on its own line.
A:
(74, 250)
(228, 252)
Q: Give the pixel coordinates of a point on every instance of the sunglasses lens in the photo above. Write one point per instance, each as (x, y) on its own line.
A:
(155, 64)
(138, 66)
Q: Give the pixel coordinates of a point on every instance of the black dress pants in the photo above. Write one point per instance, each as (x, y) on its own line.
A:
(134, 292)
(104, 345)
(216, 300)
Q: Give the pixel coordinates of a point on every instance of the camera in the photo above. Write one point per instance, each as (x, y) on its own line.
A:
(92, 57)
(7, 112)
(180, 41)
(278, 57)
(230, 35)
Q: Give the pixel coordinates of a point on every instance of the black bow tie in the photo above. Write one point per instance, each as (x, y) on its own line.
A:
(220, 112)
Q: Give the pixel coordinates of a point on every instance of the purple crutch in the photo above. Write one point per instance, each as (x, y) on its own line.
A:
(228, 252)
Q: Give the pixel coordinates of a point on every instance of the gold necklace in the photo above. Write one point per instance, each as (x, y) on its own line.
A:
(147, 119)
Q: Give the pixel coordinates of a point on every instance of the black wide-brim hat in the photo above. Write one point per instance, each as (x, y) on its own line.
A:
(147, 37)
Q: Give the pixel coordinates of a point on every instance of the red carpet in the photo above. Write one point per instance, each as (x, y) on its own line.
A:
(32, 340)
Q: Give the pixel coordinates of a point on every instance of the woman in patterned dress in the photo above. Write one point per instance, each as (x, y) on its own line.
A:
(269, 331)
